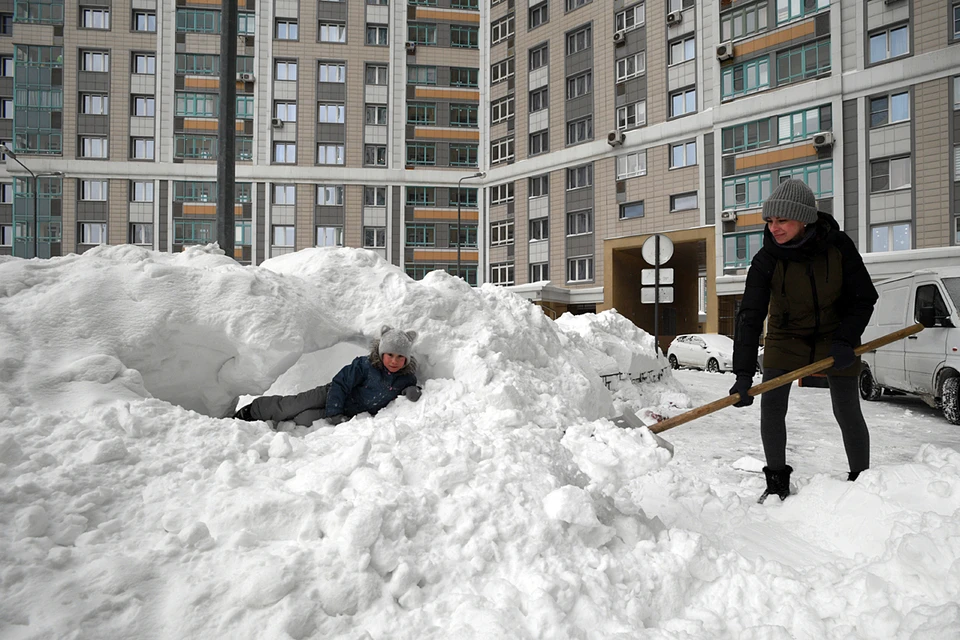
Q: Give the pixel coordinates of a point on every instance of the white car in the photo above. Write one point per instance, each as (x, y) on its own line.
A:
(710, 351)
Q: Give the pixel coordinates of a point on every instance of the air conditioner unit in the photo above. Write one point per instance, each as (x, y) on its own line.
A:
(619, 38)
(823, 140)
(245, 77)
(724, 51)
(728, 216)
(890, 1)
(276, 123)
(615, 138)
(411, 48)
(674, 17)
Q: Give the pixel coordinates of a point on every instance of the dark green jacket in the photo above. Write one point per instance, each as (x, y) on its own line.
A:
(815, 291)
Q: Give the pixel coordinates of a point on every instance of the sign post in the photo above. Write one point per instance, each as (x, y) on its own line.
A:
(656, 250)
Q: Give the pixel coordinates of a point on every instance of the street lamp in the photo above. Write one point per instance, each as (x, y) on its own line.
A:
(478, 174)
(36, 216)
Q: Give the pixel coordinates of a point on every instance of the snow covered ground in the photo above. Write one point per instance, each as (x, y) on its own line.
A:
(504, 504)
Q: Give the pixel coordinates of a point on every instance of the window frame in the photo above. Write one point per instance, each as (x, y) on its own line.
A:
(627, 206)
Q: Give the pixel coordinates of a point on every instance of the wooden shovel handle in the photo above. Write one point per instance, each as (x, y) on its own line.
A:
(796, 374)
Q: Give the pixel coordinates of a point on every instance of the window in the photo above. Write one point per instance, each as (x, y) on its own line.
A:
(579, 85)
(283, 236)
(819, 177)
(889, 109)
(462, 37)
(464, 237)
(95, 61)
(6, 108)
(196, 104)
(6, 66)
(683, 154)
(538, 100)
(245, 109)
(890, 174)
(538, 15)
(375, 114)
(194, 146)
(330, 195)
(93, 233)
(741, 137)
(792, 9)
(6, 24)
(141, 191)
(285, 70)
(286, 111)
(579, 40)
(284, 194)
(198, 21)
(93, 147)
(580, 222)
(286, 29)
(284, 153)
(803, 62)
(539, 271)
(331, 72)
(463, 115)
(144, 105)
(799, 125)
(538, 186)
(571, 4)
(683, 201)
(631, 66)
(141, 148)
(632, 115)
(374, 237)
(465, 4)
(539, 142)
(743, 22)
(956, 21)
(374, 196)
(420, 33)
(501, 150)
(501, 274)
(141, 233)
(500, 71)
(746, 192)
(6, 193)
(678, 5)
(330, 154)
(93, 190)
(144, 63)
(375, 155)
(461, 77)
(580, 130)
(332, 32)
(501, 233)
(580, 269)
(501, 29)
(631, 18)
(501, 109)
(95, 18)
(682, 50)
(421, 153)
(956, 162)
(377, 35)
(501, 194)
(630, 210)
(890, 237)
(465, 197)
(748, 77)
(463, 155)
(632, 165)
(421, 235)
(739, 249)
(539, 57)
(197, 64)
(246, 23)
(145, 21)
(376, 74)
(421, 196)
(330, 113)
(579, 177)
(683, 103)
(539, 229)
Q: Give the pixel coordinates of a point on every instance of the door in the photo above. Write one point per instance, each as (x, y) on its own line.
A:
(889, 316)
(698, 352)
(924, 352)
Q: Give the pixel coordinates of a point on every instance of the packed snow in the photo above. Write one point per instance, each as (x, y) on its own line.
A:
(506, 503)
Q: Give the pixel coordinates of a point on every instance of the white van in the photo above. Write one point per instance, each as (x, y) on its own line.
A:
(926, 364)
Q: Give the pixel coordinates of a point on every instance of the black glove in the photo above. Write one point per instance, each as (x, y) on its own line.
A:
(412, 392)
(741, 387)
(842, 354)
(337, 419)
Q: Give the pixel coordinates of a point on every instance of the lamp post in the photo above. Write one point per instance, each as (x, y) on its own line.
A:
(36, 216)
(478, 174)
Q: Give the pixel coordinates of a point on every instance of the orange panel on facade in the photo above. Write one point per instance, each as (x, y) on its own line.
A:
(205, 125)
(779, 155)
(445, 214)
(747, 219)
(200, 209)
(473, 135)
(776, 38)
(193, 82)
(449, 255)
(446, 93)
(449, 16)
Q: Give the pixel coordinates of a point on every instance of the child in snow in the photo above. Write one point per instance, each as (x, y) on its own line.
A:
(369, 383)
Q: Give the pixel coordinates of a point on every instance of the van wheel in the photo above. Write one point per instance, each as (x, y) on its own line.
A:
(674, 364)
(713, 366)
(951, 394)
(869, 389)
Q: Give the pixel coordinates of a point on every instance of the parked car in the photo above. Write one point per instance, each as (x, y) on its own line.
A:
(709, 351)
(926, 364)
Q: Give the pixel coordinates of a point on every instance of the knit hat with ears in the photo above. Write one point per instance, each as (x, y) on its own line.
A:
(794, 200)
(395, 341)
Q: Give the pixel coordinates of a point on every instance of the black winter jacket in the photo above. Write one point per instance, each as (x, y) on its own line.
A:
(815, 293)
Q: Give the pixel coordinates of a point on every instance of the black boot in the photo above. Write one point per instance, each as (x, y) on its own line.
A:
(244, 414)
(778, 482)
(853, 475)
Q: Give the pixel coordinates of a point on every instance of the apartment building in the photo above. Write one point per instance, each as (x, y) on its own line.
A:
(535, 144)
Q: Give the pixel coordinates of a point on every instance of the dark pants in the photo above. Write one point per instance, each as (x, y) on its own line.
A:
(845, 397)
(303, 408)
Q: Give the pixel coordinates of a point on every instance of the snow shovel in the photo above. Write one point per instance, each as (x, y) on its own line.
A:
(763, 387)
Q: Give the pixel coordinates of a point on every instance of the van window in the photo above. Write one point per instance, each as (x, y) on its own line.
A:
(953, 285)
(928, 295)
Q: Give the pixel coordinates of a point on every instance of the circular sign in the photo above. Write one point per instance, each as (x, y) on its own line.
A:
(650, 253)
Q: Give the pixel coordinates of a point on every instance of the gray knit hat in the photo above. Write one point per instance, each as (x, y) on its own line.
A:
(395, 341)
(793, 199)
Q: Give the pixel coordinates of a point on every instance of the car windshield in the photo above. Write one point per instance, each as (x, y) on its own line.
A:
(717, 341)
(953, 288)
